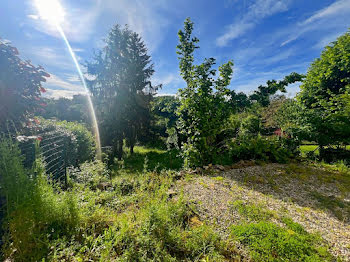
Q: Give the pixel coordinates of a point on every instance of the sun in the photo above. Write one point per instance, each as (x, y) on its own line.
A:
(50, 10)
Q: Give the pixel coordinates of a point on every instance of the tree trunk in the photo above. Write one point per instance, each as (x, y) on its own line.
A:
(132, 139)
(120, 149)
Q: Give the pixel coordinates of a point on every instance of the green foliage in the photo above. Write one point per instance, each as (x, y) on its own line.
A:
(20, 88)
(325, 93)
(157, 159)
(14, 186)
(89, 173)
(270, 242)
(122, 88)
(263, 94)
(262, 148)
(250, 125)
(204, 105)
(71, 110)
(164, 120)
(37, 211)
(269, 113)
(253, 212)
(84, 141)
(134, 222)
(79, 143)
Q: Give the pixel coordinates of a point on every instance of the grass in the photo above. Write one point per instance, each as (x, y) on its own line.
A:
(150, 159)
(339, 208)
(270, 242)
(133, 218)
(253, 212)
(305, 149)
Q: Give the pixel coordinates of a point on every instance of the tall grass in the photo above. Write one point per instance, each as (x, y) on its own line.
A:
(36, 211)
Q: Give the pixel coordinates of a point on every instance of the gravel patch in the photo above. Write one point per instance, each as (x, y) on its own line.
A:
(274, 187)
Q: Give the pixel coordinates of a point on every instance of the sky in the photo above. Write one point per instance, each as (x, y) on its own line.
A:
(266, 39)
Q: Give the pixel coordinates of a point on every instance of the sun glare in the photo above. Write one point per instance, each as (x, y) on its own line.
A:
(50, 10)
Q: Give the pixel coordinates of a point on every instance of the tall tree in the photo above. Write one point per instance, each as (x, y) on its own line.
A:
(325, 93)
(121, 87)
(20, 88)
(204, 102)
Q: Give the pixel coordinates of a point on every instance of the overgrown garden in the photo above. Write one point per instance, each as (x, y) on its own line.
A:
(138, 203)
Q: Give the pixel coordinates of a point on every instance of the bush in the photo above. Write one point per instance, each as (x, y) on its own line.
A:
(84, 140)
(79, 143)
(332, 155)
(89, 174)
(272, 149)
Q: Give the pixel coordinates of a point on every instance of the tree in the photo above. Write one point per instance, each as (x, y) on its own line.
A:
(73, 110)
(121, 87)
(239, 101)
(165, 119)
(20, 88)
(263, 94)
(204, 102)
(325, 93)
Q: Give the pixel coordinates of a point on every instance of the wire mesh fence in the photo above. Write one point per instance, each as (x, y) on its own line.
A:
(51, 148)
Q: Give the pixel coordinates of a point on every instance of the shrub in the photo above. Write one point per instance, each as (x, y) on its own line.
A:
(89, 173)
(79, 143)
(84, 140)
(262, 148)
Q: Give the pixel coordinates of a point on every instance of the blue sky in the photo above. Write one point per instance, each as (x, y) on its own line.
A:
(266, 39)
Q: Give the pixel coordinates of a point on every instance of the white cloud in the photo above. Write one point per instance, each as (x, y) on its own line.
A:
(233, 31)
(170, 81)
(78, 25)
(337, 8)
(48, 56)
(147, 18)
(73, 78)
(327, 19)
(256, 12)
(165, 94)
(58, 87)
(34, 17)
(264, 8)
(327, 40)
(55, 94)
(172, 78)
(280, 56)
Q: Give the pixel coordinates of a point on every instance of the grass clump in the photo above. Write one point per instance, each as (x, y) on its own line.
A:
(253, 212)
(267, 241)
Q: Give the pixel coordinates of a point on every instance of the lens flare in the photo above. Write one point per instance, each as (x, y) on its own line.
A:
(52, 11)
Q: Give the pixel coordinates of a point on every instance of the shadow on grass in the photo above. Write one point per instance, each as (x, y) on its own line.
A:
(307, 186)
(151, 159)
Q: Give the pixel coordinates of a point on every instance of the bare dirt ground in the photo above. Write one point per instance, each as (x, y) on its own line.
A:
(314, 197)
